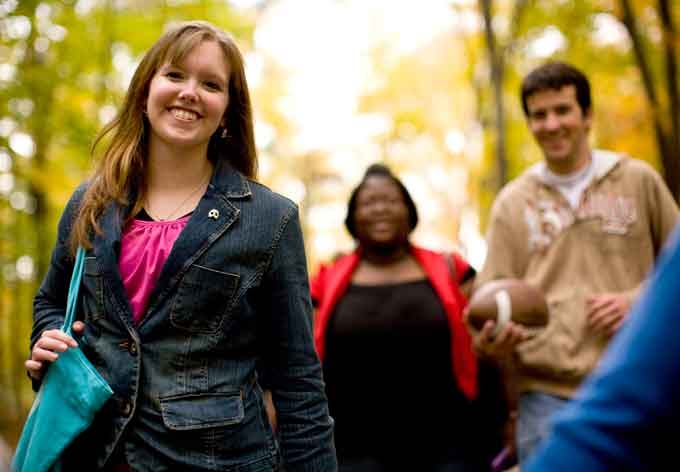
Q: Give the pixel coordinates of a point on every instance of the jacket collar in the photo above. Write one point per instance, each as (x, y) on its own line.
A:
(212, 217)
(227, 181)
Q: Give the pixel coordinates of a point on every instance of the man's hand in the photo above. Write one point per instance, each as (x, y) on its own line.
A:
(497, 347)
(606, 312)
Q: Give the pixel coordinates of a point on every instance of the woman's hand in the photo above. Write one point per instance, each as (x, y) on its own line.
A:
(46, 349)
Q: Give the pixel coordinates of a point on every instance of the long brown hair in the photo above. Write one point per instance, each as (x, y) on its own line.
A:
(120, 172)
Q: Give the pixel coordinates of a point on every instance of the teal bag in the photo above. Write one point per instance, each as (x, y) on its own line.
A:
(71, 393)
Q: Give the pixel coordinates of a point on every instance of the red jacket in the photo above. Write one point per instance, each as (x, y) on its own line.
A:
(331, 282)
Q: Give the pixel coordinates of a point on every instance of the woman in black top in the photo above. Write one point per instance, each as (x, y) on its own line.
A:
(400, 374)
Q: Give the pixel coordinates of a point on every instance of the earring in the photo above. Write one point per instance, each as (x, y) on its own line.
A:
(225, 133)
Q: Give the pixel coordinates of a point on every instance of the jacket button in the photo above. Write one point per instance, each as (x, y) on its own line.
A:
(125, 408)
(133, 349)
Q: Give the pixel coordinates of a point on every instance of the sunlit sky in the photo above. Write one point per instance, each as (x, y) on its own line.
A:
(324, 47)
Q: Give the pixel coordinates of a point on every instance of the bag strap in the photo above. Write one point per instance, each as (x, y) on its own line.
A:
(73, 289)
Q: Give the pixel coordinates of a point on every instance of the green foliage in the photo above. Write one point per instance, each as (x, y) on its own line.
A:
(64, 75)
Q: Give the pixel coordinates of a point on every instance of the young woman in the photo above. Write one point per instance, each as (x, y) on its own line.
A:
(195, 294)
(401, 378)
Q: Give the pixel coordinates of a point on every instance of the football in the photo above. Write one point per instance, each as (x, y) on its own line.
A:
(506, 300)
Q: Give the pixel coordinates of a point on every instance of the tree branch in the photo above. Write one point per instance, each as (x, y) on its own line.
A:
(671, 70)
(629, 22)
(496, 67)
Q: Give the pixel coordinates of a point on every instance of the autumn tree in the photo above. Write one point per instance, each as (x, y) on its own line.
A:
(657, 62)
(497, 52)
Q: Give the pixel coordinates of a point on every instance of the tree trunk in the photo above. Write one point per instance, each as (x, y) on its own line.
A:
(496, 72)
(666, 121)
(670, 159)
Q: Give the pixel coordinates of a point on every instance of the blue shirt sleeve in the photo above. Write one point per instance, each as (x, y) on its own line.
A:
(626, 416)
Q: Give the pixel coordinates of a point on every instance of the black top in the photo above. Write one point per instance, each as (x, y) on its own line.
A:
(143, 215)
(388, 373)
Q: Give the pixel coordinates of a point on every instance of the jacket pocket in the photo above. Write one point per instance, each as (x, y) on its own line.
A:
(203, 299)
(218, 431)
(202, 410)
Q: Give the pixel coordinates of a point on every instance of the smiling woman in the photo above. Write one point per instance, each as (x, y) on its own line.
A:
(401, 379)
(187, 100)
(195, 296)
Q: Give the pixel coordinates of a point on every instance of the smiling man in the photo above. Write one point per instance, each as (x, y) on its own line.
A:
(584, 226)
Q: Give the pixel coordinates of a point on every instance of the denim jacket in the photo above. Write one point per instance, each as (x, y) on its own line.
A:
(229, 316)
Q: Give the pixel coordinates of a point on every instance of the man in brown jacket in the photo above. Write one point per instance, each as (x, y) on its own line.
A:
(583, 225)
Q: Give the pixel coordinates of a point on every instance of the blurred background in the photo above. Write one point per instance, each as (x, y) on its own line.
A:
(429, 87)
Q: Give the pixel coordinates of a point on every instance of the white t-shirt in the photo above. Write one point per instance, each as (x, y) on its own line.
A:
(570, 185)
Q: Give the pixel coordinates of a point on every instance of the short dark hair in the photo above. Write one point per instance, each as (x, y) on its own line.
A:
(555, 75)
(379, 170)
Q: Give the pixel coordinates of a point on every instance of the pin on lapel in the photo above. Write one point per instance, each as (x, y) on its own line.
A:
(213, 214)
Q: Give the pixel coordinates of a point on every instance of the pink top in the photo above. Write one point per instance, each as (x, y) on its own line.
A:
(143, 250)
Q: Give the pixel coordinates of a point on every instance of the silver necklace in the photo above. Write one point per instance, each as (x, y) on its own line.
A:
(177, 208)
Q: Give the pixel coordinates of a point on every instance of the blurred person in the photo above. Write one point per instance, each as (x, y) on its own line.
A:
(401, 376)
(584, 226)
(195, 292)
(626, 415)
